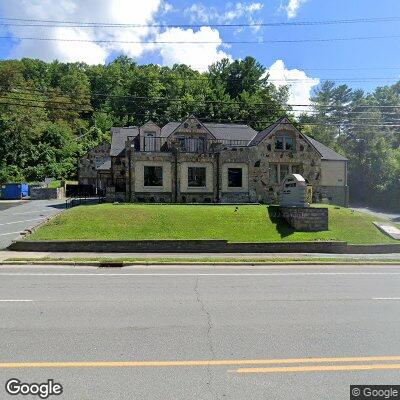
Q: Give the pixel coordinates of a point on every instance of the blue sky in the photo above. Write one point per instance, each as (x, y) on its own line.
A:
(304, 64)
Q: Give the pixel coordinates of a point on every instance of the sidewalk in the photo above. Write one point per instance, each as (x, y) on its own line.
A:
(4, 255)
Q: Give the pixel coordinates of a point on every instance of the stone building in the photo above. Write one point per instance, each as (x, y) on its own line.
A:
(195, 162)
(94, 168)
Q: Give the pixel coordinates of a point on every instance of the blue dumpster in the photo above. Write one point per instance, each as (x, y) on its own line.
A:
(15, 191)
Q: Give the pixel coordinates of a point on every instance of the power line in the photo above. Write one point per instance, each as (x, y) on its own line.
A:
(208, 101)
(234, 25)
(248, 121)
(280, 41)
(203, 102)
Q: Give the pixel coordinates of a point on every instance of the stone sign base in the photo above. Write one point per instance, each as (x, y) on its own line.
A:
(306, 219)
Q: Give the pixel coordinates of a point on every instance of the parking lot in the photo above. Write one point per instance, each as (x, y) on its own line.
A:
(17, 216)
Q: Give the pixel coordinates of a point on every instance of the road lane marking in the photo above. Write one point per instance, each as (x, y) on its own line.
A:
(318, 368)
(194, 363)
(10, 233)
(20, 222)
(386, 298)
(194, 274)
(17, 300)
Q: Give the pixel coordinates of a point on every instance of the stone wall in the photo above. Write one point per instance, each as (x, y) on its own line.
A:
(177, 246)
(306, 219)
(87, 173)
(39, 193)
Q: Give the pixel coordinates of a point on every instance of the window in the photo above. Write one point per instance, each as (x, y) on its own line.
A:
(289, 143)
(150, 141)
(196, 177)
(235, 177)
(192, 144)
(153, 176)
(182, 144)
(284, 170)
(283, 142)
(279, 143)
(273, 173)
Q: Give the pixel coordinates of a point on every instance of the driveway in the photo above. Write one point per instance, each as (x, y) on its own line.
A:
(393, 217)
(17, 216)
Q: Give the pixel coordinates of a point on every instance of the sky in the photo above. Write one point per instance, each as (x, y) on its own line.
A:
(363, 64)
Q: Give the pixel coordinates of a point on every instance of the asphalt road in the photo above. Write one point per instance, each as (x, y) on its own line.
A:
(15, 217)
(249, 318)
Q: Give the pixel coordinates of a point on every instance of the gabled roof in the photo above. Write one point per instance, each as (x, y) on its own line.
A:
(263, 134)
(119, 138)
(326, 152)
(191, 117)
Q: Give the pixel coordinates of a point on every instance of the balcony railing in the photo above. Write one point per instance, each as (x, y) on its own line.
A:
(186, 145)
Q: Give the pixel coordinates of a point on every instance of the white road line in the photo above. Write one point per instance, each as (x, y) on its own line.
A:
(9, 233)
(31, 212)
(196, 274)
(386, 298)
(26, 220)
(15, 301)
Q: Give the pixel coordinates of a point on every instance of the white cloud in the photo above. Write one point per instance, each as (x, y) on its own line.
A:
(109, 11)
(292, 7)
(300, 85)
(199, 55)
(198, 12)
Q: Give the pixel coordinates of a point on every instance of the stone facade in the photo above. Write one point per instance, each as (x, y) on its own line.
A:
(88, 168)
(306, 219)
(217, 163)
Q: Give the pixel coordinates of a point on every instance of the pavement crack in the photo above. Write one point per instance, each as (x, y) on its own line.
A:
(209, 338)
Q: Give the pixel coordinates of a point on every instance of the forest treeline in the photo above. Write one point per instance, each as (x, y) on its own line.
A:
(52, 113)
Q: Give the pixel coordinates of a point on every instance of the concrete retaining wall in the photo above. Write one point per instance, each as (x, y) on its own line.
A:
(373, 248)
(306, 219)
(178, 246)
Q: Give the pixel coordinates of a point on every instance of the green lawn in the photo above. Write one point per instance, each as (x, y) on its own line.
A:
(250, 223)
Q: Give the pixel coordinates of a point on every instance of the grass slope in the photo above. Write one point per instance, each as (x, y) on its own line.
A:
(250, 223)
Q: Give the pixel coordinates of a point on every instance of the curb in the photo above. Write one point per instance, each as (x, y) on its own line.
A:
(139, 263)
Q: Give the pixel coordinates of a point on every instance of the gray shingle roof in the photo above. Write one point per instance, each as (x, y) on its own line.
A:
(167, 129)
(119, 138)
(263, 134)
(326, 152)
(106, 166)
(231, 131)
(220, 131)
